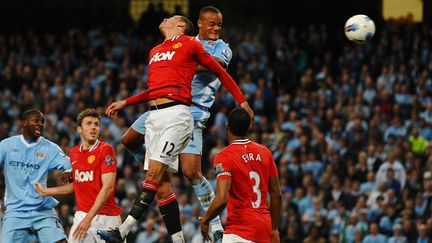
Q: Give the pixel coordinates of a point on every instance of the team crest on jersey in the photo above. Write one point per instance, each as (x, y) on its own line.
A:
(211, 43)
(177, 45)
(40, 155)
(109, 160)
(91, 159)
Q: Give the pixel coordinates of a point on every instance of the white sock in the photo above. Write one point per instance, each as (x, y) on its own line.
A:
(127, 225)
(178, 237)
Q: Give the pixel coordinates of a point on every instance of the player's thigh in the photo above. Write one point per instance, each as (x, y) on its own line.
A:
(132, 139)
(15, 229)
(49, 229)
(195, 143)
(232, 238)
(18, 236)
(167, 133)
(139, 124)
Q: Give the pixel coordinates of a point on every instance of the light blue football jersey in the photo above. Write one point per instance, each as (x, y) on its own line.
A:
(205, 84)
(24, 164)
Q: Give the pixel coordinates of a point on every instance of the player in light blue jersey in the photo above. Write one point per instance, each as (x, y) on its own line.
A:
(27, 159)
(204, 87)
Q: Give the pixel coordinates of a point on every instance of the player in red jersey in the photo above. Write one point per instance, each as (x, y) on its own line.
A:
(246, 173)
(94, 167)
(169, 126)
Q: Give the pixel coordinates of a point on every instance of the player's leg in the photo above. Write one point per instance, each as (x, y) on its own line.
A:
(169, 209)
(15, 229)
(133, 139)
(48, 227)
(167, 132)
(190, 158)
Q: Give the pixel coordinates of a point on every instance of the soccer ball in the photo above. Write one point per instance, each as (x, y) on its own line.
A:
(359, 28)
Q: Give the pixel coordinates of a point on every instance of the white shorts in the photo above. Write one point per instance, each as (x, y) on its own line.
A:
(99, 222)
(168, 131)
(232, 238)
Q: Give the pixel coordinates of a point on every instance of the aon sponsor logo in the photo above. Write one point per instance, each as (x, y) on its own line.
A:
(162, 56)
(83, 176)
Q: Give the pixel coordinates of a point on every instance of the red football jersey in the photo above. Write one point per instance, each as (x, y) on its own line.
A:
(172, 66)
(249, 166)
(87, 169)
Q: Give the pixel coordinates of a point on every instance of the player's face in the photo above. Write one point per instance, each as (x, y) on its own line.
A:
(210, 26)
(170, 23)
(33, 127)
(89, 129)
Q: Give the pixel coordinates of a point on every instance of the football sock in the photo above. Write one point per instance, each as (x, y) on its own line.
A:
(140, 206)
(170, 212)
(205, 194)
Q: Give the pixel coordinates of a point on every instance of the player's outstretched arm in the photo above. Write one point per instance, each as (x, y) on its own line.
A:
(216, 207)
(54, 191)
(275, 206)
(115, 107)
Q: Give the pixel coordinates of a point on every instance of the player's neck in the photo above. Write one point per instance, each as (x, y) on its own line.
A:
(232, 138)
(171, 34)
(87, 144)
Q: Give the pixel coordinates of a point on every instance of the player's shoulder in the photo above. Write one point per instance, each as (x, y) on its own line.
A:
(103, 144)
(46, 141)
(221, 43)
(75, 149)
(187, 38)
(10, 139)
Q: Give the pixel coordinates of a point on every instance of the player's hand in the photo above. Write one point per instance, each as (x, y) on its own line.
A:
(275, 238)
(205, 228)
(82, 228)
(245, 105)
(40, 189)
(113, 109)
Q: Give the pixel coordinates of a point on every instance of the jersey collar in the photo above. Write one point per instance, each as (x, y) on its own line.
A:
(29, 145)
(241, 141)
(92, 148)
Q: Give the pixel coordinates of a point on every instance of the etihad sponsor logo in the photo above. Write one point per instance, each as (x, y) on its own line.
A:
(162, 56)
(22, 165)
(83, 176)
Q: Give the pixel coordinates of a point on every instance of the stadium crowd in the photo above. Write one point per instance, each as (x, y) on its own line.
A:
(350, 126)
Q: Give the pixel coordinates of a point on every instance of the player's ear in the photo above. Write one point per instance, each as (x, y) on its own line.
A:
(199, 23)
(79, 129)
(181, 24)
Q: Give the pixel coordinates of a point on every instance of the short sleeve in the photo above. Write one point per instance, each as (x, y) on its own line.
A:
(272, 166)
(2, 152)
(60, 161)
(108, 160)
(222, 167)
(223, 52)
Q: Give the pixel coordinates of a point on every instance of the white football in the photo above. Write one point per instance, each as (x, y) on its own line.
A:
(359, 28)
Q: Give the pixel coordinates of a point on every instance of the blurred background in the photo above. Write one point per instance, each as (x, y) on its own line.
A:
(349, 125)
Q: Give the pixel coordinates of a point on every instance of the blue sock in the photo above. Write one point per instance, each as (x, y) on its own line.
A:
(205, 194)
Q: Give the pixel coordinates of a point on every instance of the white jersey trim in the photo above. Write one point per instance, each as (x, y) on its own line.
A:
(92, 148)
(241, 141)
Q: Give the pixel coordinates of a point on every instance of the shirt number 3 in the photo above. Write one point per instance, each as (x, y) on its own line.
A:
(254, 176)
